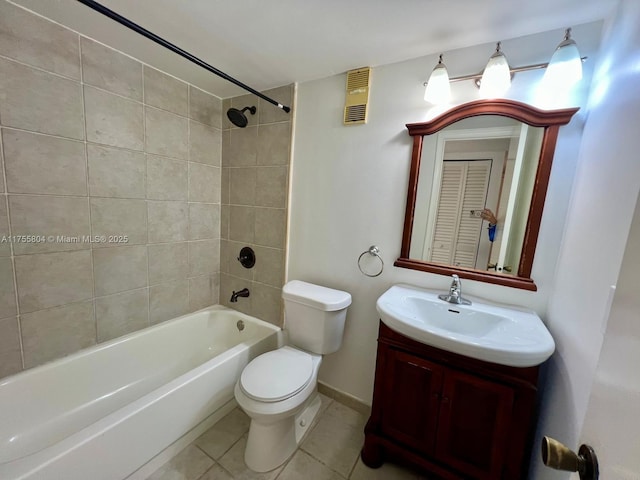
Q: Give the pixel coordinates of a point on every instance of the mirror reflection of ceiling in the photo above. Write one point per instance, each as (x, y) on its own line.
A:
(252, 39)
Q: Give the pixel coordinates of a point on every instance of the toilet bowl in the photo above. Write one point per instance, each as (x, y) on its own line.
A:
(280, 412)
(278, 389)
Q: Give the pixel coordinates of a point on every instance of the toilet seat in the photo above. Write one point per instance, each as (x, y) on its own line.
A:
(277, 375)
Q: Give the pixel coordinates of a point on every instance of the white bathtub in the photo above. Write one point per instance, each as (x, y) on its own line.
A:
(104, 412)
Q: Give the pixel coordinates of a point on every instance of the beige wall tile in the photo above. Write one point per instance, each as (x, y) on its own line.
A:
(215, 288)
(204, 221)
(225, 248)
(115, 216)
(204, 257)
(52, 279)
(200, 292)
(5, 247)
(271, 186)
(205, 108)
(242, 149)
(168, 261)
(228, 285)
(270, 227)
(270, 113)
(113, 120)
(242, 186)
(242, 101)
(44, 164)
(226, 123)
(7, 290)
(10, 355)
(273, 144)
(117, 315)
(31, 39)
(242, 223)
(168, 300)
(224, 221)
(267, 303)
(204, 183)
(166, 178)
(269, 266)
(166, 133)
(167, 221)
(164, 91)
(118, 269)
(224, 185)
(106, 68)
(49, 216)
(31, 96)
(205, 144)
(56, 332)
(114, 172)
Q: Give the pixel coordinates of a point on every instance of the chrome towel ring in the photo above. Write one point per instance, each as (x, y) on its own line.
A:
(374, 252)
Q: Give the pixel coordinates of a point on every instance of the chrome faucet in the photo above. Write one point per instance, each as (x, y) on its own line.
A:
(240, 293)
(455, 293)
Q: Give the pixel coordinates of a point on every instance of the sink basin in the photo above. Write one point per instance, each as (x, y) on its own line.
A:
(493, 333)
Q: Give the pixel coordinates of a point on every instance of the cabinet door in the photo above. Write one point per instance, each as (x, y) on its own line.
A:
(474, 423)
(411, 400)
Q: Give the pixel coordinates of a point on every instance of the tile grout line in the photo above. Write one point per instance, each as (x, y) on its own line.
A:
(12, 258)
(86, 159)
(188, 191)
(146, 193)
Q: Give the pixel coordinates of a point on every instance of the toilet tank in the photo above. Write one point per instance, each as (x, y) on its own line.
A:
(314, 316)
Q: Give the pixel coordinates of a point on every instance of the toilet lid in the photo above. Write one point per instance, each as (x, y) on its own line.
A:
(276, 375)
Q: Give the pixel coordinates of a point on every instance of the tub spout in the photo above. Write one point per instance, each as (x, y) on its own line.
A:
(241, 293)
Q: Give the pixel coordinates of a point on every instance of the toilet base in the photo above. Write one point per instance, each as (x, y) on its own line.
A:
(271, 444)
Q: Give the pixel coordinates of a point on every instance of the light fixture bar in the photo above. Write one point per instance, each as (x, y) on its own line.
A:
(477, 76)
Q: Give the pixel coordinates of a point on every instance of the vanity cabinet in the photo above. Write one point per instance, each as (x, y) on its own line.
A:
(450, 416)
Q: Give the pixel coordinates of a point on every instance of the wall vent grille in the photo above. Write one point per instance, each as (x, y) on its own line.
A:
(357, 96)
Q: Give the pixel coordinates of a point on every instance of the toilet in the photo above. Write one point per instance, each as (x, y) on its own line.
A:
(278, 389)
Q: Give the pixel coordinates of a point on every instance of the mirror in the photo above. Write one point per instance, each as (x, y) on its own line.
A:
(479, 175)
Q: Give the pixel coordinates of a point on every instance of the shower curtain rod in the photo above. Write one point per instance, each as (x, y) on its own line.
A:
(161, 41)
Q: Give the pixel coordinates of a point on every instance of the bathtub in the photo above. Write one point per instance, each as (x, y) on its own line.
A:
(104, 412)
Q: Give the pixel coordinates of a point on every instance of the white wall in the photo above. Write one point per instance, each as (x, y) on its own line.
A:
(606, 187)
(349, 189)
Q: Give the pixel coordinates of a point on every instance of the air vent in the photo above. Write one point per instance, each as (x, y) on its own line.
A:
(357, 96)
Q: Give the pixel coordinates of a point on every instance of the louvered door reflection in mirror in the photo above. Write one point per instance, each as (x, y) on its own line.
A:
(478, 179)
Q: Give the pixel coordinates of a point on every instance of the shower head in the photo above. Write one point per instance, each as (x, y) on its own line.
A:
(238, 118)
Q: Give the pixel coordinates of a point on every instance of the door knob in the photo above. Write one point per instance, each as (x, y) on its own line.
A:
(560, 457)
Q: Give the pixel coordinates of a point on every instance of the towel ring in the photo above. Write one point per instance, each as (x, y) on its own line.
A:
(374, 252)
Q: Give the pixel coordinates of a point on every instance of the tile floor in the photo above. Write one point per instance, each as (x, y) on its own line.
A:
(330, 451)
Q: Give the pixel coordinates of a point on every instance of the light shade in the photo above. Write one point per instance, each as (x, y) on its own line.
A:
(438, 89)
(565, 66)
(496, 78)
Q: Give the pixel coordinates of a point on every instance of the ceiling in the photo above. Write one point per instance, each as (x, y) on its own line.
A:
(271, 43)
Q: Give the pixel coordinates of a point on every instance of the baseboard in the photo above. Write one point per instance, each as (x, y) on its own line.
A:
(345, 398)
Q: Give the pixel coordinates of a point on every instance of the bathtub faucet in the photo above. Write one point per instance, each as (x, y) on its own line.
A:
(241, 293)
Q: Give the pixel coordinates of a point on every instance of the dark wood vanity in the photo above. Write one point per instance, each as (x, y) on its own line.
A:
(450, 416)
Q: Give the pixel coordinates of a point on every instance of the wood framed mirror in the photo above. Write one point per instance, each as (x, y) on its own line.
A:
(486, 154)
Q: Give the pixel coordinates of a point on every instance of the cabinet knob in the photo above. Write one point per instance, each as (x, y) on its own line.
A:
(445, 399)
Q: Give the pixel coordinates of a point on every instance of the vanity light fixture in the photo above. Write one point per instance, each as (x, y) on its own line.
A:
(496, 78)
(438, 89)
(564, 70)
(565, 66)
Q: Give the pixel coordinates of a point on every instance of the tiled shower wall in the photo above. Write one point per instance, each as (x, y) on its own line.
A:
(255, 172)
(93, 143)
